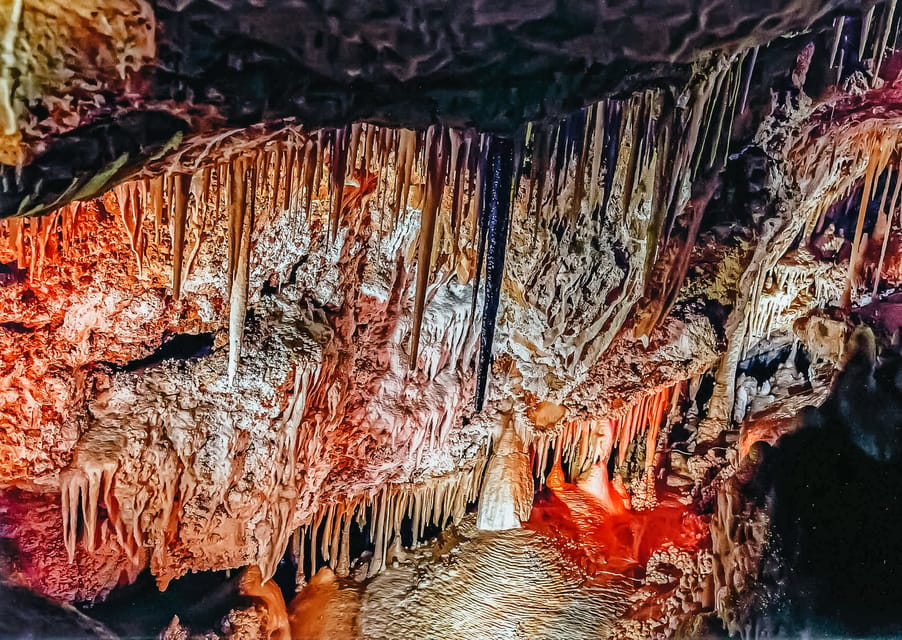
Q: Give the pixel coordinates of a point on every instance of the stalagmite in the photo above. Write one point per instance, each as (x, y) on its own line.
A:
(506, 497)
(252, 585)
(595, 481)
(555, 478)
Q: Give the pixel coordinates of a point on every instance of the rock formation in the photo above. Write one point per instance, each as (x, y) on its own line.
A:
(417, 314)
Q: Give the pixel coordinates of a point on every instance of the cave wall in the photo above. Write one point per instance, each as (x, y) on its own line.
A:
(231, 339)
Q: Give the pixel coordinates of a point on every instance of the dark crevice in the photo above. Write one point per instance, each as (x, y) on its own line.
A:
(180, 346)
(763, 366)
(200, 600)
(11, 273)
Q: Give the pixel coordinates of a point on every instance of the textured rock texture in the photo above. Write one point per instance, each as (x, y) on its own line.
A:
(239, 342)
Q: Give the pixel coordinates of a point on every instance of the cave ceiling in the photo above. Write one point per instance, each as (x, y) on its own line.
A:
(410, 307)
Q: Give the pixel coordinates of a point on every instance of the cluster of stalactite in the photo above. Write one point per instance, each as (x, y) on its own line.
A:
(439, 501)
(821, 156)
(635, 155)
(871, 42)
(843, 254)
(98, 507)
(436, 501)
(588, 445)
(878, 163)
(796, 285)
(875, 152)
(848, 222)
(97, 502)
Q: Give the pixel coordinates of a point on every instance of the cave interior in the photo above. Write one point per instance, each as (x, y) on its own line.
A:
(504, 320)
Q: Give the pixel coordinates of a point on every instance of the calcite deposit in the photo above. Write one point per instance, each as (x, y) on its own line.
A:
(448, 320)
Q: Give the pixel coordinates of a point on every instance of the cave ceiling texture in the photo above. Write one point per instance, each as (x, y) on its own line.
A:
(450, 320)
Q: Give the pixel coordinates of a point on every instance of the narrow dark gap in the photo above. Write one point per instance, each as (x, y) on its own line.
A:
(763, 366)
(179, 346)
(704, 393)
(11, 273)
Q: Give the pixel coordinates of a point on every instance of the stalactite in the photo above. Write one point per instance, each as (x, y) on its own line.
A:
(611, 146)
(297, 547)
(748, 80)
(435, 180)
(839, 24)
(731, 112)
(456, 164)
(890, 215)
(70, 496)
(344, 555)
(890, 11)
(434, 501)
(337, 174)
(353, 148)
(324, 543)
(728, 83)
(839, 67)
(156, 200)
(629, 153)
(178, 221)
(131, 212)
(241, 224)
(480, 201)
(320, 149)
(878, 159)
(314, 529)
(865, 31)
(288, 159)
(709, 107)
(200, 196)
(495, 220)
(82, 491)
(378, 561)
(405, 157)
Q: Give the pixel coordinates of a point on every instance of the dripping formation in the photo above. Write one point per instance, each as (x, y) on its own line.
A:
(437, 502)
(596, 329)
(637, 150)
